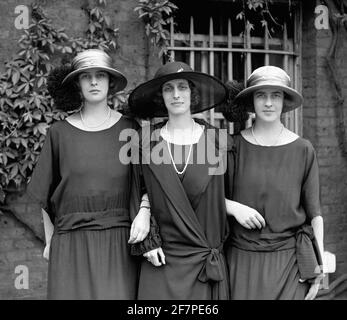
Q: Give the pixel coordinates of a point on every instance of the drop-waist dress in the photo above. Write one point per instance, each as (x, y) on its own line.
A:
(83, 183)
(282, 184)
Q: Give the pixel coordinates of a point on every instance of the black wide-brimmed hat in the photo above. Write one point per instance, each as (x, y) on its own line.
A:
(269, 77)
(211, 90)
(96, 59)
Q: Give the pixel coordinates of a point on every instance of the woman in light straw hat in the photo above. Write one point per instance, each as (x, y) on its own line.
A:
(277, 254)
(90, 195)
(185, 182)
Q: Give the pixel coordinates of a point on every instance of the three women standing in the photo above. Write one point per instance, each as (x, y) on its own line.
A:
(94, 197)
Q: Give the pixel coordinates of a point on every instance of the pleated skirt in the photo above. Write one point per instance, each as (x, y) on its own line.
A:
(256, 275)
(92, 265)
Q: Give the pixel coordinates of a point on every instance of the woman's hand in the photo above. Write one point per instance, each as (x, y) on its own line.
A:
(140, 226)
(246, 216)
(46, 251)
(312, 292)
(155, 256)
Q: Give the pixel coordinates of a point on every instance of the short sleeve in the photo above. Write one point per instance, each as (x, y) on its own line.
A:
(45, 176)
(310, 187)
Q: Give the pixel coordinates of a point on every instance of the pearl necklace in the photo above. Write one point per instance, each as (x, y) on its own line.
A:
(99, 125)
(190, 150)
(267, 145)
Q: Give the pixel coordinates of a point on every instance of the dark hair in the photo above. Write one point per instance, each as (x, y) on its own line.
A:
(67, 96)
(232, 111)
(194, 96)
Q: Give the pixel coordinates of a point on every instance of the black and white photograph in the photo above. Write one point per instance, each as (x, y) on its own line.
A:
(173, 155)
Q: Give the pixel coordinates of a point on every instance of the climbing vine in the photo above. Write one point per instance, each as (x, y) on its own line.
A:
(157, 15)
(338, 22)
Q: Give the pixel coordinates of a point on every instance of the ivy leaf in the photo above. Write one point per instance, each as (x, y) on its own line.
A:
(240, 16)
(42, 127)
(15, 77)
(14, 171)
(91, 28)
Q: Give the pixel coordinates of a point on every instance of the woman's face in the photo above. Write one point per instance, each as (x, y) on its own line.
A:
(176, 94)
(94, 85)
(268, 104)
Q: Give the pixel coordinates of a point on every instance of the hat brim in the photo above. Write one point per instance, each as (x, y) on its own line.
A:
(120, 79)
(293, 99)
(211, 90)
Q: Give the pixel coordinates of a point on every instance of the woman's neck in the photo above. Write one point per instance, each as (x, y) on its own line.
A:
(180, 122)
(267, 128)
(96, 110)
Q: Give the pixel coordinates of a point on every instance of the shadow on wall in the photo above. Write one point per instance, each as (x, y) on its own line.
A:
(23, 271)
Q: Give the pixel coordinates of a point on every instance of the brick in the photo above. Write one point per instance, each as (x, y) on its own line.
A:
(16, 256)
(6, 222)
(6, 245)
(23, 244)
(3, 261)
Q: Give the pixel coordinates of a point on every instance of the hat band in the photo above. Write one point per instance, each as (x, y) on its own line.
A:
(91, 62)
(271, 79)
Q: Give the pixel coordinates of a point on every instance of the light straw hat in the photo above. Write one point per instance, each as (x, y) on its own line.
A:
(96, 59)
(269, 77)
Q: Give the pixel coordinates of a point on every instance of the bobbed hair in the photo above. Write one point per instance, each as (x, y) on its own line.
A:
(68, 96)
(231, 110)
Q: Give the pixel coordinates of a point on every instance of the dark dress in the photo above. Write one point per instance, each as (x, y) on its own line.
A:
(281, 183)
(191, 214)
(86, 189)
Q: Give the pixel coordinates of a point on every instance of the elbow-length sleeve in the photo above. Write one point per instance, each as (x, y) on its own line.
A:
(45, 176)
(153, 239)
(310, 186)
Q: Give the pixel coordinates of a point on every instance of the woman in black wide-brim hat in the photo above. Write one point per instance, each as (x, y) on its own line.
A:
(274, 252)
(91, 196)
(186, 165)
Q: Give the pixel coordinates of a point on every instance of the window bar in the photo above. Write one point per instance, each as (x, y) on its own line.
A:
(297, 65)
(211, 64)
(241, 50)
(248, 65)
(248, 70)
(172, 40)
(204, 58)
(285, 47)
(266, 45)
(230, 66)
(286, 116)
(191, 42)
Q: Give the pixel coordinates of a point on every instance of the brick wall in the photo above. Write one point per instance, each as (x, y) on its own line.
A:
(321, 128)
(19, 247)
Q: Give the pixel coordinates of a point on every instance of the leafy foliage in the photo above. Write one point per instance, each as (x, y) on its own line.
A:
(156, 15)
(26, 109)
